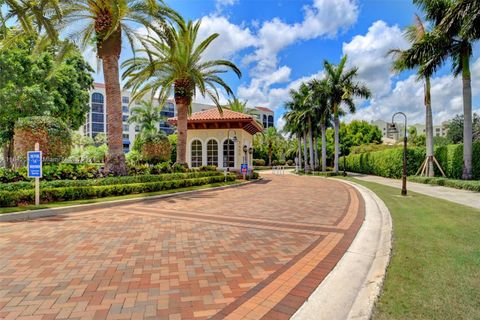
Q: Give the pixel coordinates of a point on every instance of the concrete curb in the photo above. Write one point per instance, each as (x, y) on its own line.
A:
(353, 286)
(41, 213)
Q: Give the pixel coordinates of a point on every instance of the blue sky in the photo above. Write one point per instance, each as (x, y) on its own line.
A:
(279, 44)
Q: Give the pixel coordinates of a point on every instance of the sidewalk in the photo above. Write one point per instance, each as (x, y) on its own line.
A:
(465, 197)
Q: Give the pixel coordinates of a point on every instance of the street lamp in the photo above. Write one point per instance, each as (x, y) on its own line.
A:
(404, 174)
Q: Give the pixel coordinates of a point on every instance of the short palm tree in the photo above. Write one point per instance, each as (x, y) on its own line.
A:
(106, 24)
(174, 64)
(270, 139)
(147, 116)
(403, 61)
(294, 128)
(237, 105)
(342, 88)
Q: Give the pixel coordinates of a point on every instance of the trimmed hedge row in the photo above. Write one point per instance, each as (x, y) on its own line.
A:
(106, 181)
(388, 163)
(472, 185)
(23, 197)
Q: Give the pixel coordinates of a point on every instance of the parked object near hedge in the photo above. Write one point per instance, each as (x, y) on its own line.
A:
(51, 133)
(388, 163)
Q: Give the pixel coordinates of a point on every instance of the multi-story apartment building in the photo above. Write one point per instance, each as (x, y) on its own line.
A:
(438, 131)
(96, 121)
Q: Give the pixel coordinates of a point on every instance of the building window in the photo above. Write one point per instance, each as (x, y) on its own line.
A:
(125, 100)
(124, 118)
(228, 154)
(97, 117)
(196, 154)
(126, 127)
(265, 121)
(97, 98)
(270, 121)
(212, 153)
(97, 127)
(126, 136)
(125, 109)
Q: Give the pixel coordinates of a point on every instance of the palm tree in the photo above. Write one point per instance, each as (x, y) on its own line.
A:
(237, 105)
(293, 126)
(107, 24)
(147, 116)
(174, 62)
(270, 138)
(449, 40)
(342, 89)
(320, 101)
(414, 34)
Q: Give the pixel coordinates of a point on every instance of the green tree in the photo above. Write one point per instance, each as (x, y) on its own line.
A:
(31, 85)
(342, 88)
(271, 140)
(175, 62)
(237, 105)
(147, 116)
(404, 60)
(455, 128)
(451, 41)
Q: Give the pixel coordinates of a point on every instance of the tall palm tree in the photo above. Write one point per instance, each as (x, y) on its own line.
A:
(147, 116)
(106, 24)
(449, 41)
(342, 88)
(294, 128)
(320, 101)
(174, 62)
(414, 34)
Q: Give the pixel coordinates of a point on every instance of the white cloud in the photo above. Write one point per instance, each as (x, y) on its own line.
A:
(369, 53)
(220, 4)
(280, 124)
(408, 96)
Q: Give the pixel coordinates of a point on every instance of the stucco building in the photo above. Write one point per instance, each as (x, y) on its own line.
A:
(224, 140)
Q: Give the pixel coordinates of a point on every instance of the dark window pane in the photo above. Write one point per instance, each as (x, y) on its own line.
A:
(97, 117)
(97, 107)
(229, 153)
(98, 98)
(97, 127)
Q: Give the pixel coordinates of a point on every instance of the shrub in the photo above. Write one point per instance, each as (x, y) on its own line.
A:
(51, 133)
(156, 148)
(473, 185)
(177, 167)
(290, 163)
(20, 197)
(139, 169)
(207, 168)
(160, 168)
(258, 162)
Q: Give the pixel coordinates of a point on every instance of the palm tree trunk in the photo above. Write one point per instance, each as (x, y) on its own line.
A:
(182, 115)
(299, 150)
(305, 150)
(429, 128)
(310, 138)
(324, 147)
(115, 162)
(467, 116)
(336, 122)
(315, 148)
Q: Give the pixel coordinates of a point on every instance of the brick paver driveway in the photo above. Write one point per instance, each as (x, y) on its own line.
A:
(251, 252)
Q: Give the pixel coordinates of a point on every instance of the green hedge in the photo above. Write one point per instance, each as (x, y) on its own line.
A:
(106, 181)
(388, 163)
(23, 197)
(473, 185)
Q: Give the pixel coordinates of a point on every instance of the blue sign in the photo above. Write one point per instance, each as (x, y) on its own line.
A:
(244, 168)
(34, 164)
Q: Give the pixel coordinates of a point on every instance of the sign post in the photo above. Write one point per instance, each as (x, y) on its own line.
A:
(34, 165)
(244, 170)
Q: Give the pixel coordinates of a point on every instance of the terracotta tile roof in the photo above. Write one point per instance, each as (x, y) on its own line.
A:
(264, 109)
(214, 114)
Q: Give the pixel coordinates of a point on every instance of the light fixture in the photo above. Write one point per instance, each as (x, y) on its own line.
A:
(250, 150)
(245, 148)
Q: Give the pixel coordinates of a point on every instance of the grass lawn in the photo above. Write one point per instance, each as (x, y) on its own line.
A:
(130, 196)
(434, 272)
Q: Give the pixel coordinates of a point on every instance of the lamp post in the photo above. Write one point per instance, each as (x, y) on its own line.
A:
(250, 152)
(404, 173)
(245, 150)
(234, 139)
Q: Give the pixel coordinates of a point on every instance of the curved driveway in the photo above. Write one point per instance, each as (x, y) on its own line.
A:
(252, 252)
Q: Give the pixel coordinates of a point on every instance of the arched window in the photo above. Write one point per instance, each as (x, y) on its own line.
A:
(265, 125)
(228, 154)
(196, 154)
(270, 121)
(212, 153)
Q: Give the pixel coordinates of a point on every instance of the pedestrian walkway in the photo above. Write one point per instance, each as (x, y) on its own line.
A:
(464, 197)
(257, 251)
